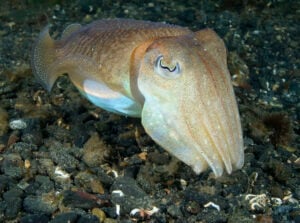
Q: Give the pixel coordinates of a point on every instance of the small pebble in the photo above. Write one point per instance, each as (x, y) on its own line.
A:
(17, 124)
(110, 220)
(3, 121)
(174, 211)
(65, 160)
(13, 202)
(99, 214)
(45, 185)
(89, 182)
(193, 207)
(40, 218)
(95, 151)
(13, 165)
(69, 217)
(88, 218)
(44, 204)
(78, 199)
(27, 164)
(134, 196)
(4, 182)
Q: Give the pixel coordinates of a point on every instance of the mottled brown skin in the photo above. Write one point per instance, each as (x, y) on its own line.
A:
(176, 80)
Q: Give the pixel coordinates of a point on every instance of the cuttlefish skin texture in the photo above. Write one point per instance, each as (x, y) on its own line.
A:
(176, 80)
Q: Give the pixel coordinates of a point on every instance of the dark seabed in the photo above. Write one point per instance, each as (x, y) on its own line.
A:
(64, 160)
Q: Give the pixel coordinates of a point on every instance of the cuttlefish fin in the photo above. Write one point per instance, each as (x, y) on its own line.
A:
(45, 63)
(43, 55)
(70, 29)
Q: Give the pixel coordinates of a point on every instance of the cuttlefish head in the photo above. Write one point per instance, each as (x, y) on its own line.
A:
(189, 104)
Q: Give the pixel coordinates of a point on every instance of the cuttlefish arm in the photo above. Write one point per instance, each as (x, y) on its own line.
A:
(175, 79)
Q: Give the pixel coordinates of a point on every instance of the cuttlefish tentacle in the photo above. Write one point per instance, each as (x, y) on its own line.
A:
(176, 80)
(41, 62)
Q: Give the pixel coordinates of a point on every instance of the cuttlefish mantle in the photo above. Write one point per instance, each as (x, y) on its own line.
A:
(176, 80)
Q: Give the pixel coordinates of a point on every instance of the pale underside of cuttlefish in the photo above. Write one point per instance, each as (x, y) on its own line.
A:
(176, 80)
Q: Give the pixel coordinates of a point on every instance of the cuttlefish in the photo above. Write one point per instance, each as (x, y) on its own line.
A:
(175, 79)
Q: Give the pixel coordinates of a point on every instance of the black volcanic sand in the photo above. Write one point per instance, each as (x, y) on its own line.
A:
(64, 160)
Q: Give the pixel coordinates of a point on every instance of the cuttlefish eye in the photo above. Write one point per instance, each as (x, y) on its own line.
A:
(169, 71)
